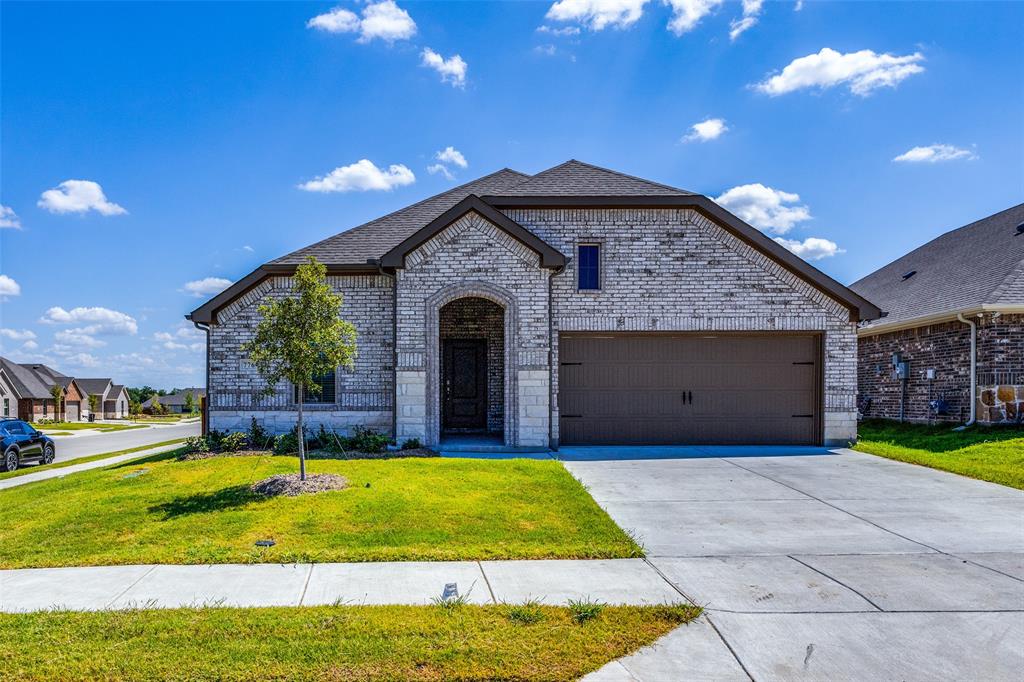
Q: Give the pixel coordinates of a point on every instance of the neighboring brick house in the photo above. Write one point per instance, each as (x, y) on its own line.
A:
(26, 392)
(174, 403)
(969, 281)
(111, 399)
(578, 305)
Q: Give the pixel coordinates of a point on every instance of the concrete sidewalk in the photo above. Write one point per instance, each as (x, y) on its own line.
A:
(59, 472)
(615, 581)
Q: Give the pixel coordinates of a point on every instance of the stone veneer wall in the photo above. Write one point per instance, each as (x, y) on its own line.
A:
(945, 347)
(473, 258)
(675, 270)
(478, 318)
(364, 394)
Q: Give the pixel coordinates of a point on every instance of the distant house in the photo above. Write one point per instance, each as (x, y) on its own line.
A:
(26, 393)
(961, 292)
(111, 398)
(174, 403)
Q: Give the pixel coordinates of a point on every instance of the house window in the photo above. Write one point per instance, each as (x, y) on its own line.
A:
(7, 407)
(326, 394)
(44, 408)
(588, 266)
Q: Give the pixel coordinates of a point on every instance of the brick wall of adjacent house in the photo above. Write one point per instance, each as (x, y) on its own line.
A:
(364, 394)
(945, 348)
(473, 258)
(478, 318)
(675, 270)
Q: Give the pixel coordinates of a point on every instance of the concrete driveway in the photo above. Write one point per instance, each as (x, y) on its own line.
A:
(817, 564)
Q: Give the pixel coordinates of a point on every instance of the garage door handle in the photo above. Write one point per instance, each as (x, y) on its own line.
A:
(687, 397)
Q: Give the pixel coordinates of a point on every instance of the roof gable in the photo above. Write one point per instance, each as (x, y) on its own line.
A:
(549, 256)
(977, 265)
(575, 178)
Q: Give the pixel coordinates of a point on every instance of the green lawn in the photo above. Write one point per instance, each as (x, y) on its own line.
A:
(990, 453)
(82, 426)
(324, 643)
(161, 510)
(31, 469)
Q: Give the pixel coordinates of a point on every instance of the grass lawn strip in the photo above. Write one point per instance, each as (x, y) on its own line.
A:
(29, 469)
(84, 426)
(325, 643)
(158, 510)
(994, 454)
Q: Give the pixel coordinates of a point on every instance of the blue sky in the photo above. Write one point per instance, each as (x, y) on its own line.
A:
(195, 127)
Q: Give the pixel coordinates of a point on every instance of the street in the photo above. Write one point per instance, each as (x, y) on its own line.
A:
(74, 447)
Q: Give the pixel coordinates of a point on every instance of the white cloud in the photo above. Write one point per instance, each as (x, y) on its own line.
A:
(862, 72)
(81, 360)
(812, 248)
(453, 156)
(248, 248)
(17, 334)
(361, 176)
(708, 129)
(686, 14)
(8, 287)
(767, 209)
(384, 20)
(799, 5)
(208, 286)
(546, 50)
(598, 14)
(78, 196)
(935, 153)
(97, 320)
(29, 345)
(452, 70)
(751, 12)
(564, 31)
(8, 218)
(78, 338)
(436, 168)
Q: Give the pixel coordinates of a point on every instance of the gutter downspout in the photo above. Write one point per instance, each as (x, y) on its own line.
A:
(974, 368)
(205, 425)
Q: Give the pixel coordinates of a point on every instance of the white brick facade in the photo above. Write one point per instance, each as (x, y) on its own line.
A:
(662, 270)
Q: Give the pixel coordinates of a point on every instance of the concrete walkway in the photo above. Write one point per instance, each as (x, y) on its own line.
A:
(60, 472)
(616, 581)
(815, 564)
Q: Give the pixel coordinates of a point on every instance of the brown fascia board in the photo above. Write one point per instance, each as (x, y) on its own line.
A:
(207, 313)
(549, 256)
(860, 308)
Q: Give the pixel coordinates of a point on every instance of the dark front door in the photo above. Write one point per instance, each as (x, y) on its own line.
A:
(464, 384)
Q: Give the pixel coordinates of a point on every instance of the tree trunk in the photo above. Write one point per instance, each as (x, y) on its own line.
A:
(302, 436)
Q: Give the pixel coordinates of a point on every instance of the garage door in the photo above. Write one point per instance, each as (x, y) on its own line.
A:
(681, 389)
(72, 411)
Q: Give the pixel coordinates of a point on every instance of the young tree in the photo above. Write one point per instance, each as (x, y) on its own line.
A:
(156, 406)
(190, 402)
(301, 337)
(94, 404)
(57, 391)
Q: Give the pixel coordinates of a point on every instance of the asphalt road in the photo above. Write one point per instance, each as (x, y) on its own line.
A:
(73, 447)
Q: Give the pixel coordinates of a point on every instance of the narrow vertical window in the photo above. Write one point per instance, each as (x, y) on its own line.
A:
(588, 265)
(326, 394)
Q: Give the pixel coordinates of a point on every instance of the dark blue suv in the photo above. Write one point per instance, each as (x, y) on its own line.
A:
(22, 442)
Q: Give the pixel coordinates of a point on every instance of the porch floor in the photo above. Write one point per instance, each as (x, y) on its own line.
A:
(485, 445)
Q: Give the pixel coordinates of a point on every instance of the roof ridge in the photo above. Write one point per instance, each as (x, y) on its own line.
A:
(635, 178)
(401, 210)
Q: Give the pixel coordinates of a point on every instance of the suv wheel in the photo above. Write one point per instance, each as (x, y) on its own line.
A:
(10, 462)
(48, 454)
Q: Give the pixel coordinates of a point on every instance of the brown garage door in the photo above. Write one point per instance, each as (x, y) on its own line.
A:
(689, 388)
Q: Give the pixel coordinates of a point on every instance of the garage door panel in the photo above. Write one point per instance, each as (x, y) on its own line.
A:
(662, 388)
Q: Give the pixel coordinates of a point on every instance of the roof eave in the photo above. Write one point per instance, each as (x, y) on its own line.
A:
(937, 318)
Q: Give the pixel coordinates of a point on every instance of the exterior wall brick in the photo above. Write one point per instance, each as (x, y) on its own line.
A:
(675, 270)
(945, 348)
(236, 390)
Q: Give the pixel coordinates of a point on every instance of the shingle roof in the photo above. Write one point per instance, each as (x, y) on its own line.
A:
(25, 382)
(979, 264)
(178, 398)
(93, 386)
(114, 392)
(377, 237)
(575, 178)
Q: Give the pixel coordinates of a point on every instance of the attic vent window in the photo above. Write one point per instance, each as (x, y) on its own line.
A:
(909, 275)
(1020, 229)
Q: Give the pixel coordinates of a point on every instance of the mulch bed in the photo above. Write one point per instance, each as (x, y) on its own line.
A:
(315, 454)
(291, 485)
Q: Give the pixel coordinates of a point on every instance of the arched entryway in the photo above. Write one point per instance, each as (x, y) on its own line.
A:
(471, 331)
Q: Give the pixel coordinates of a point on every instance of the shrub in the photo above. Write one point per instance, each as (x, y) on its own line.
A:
(364, 439)
(412, 444)
(527, 613)
(286, 443)
(214, 437)
(258, 436)
(233, 442)
(197, 445)
(583, 610)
